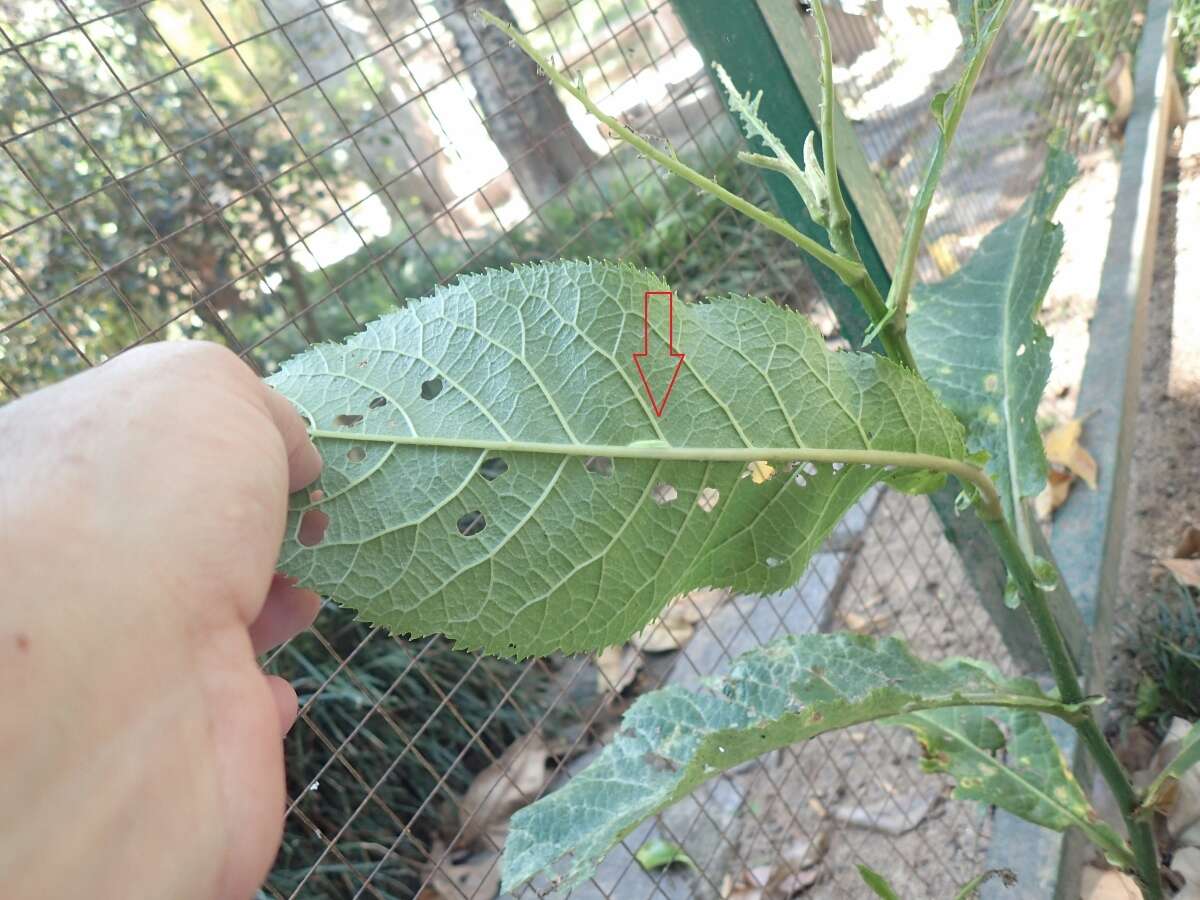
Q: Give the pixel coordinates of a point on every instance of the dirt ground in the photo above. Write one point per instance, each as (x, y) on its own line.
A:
(907, 581)
(1166, 458)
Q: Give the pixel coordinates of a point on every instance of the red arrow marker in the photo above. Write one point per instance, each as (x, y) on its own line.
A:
(659, 407)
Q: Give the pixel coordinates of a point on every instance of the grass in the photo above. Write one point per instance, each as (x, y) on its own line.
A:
(386, 744)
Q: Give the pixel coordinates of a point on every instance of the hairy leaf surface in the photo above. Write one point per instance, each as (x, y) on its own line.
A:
(672, 740)
(977, 341)
(460, 494)
(1032, 780)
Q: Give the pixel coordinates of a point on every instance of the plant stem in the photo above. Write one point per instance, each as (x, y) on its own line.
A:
(841, 234)
(1067, 679)
(843, 268)
(914, 227)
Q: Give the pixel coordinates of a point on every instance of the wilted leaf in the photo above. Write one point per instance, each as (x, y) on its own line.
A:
(1063, 449)
(473, 501)
(673, 740)
(1034, 780)
(977, 341)
(658, 853)
(504, 787)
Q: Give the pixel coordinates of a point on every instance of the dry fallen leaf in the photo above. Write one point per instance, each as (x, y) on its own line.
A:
(662, 636)
(461, 875)
(1063, 449)
(860, 624)
(1182, 804)
(616, 668)
(893, 815)
(509, 783)
(677, 624)
(1185, 565)
(1186, 862)
(1106, 884)
(1186, 571)
(1053, 495)
(790, 876)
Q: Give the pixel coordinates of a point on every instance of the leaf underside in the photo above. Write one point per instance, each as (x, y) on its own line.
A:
(673, 740)
(977, 341)
(524, 553)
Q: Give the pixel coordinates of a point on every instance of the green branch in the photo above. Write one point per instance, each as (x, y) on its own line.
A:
(948, 109)
(843, 268)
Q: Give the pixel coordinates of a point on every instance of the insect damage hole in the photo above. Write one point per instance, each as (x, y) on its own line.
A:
(599, 465)
(471, 523)
(707, 499)
(493, 468)
(356, 454)
(663, 493)
(431, 388)
(348, 419)
(312, 527)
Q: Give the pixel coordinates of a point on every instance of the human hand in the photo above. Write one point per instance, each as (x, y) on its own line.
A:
(142, 507)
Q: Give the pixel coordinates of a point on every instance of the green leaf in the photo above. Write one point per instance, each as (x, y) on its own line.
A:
(977, 341)
(1033, 781)
(659, 853)
(673, 740)
(877, 883)
(494, 470)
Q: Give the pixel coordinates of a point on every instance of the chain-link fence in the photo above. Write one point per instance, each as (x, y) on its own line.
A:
(272, 173)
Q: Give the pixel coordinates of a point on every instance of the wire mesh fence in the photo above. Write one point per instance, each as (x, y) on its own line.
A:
(273, 173)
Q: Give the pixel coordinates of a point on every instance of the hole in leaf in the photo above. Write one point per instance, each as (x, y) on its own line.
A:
(431, 388)
(378, 402)
(316, 495)
(663, 493)
(356, 454)
(493, 468)
(707, 499)
(348, 419)
(312, 527)
(1021, 350)
(472, 523)
(599, 465)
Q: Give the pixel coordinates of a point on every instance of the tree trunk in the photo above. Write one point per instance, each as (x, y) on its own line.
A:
(523, 115)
